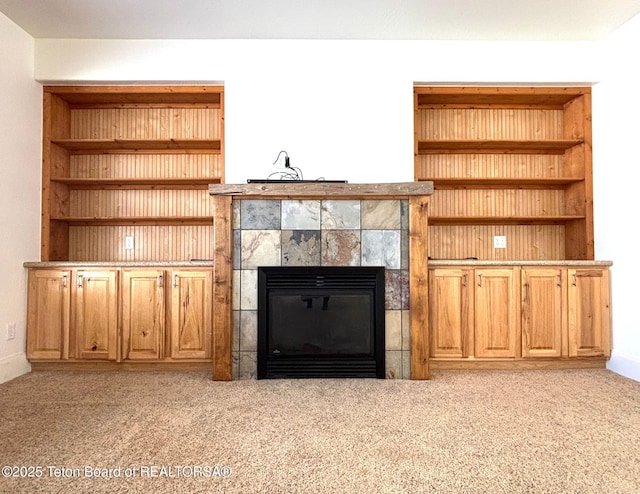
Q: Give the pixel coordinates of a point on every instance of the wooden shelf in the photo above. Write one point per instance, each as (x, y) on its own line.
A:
(506, 161)
(500, 182)
(200, 183)
(558, 146)
(88, 146)
(502, 220)
(134, 220)
(134, 161)
(496, 97)
(95, 96)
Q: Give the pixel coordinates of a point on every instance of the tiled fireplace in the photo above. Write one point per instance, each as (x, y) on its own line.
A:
(319, 225)
(368, 232)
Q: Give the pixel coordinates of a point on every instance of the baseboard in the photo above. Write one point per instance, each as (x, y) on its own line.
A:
(528, 364)
(13, 366)
(624, 364)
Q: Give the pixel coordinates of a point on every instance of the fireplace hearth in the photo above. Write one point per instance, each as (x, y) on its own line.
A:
(321, 322)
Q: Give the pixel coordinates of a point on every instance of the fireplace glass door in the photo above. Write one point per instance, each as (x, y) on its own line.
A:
(320, 322)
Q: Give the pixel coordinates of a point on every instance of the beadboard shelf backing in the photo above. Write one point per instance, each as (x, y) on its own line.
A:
(509, 161)
(127, 157)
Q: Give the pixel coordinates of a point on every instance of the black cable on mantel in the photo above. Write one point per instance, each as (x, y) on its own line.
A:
(289, 172)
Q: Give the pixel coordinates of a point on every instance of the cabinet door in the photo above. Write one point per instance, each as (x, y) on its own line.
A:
(95, 307)
(48, 314)
(495, 320)
(449, 312)
(589, 312)
(543, 312)
(143, 315)
(190, 314)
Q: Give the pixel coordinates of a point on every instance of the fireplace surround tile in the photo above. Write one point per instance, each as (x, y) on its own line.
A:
(260, 248)
(393, 330)
(300, 215)
(248, 331)
(260, 214)
(381, 248)
(393, 290)
(249, 289)
(301, 248)
(247, 365)
(393, 364)
(406, 331)
(340, 215)
(341, 248)
(381, 215)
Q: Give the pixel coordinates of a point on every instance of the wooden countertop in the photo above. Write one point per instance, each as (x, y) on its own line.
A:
(489, 263)
(119, 264)
(209, 263)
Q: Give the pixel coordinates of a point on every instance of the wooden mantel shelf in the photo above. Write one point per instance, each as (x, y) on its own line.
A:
(321, 189)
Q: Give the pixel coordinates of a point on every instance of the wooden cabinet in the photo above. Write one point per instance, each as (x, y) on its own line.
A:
(95, 308)
(143, 314)
(190, 314)
(496, 319)
(507, 161)
(589, 313)
(48, 312)
(130, 161)
(120, 314)
(450, 312)
(544, 313)
(519, 313)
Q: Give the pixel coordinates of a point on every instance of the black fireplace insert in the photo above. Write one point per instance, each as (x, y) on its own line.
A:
(325, 321)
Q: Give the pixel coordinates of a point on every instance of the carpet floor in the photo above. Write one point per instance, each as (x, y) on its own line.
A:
(563, 432)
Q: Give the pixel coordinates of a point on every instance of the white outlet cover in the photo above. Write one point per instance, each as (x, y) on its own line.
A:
(128, 243)
(499, 242)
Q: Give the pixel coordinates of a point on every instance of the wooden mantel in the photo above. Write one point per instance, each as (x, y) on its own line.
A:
(417, 193)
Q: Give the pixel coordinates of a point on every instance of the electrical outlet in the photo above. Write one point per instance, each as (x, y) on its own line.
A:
(11, 331)
(499, 242)
(128, 243)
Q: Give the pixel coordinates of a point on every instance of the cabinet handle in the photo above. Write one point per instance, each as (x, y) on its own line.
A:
(479, 280)
(175, 280)
(464, 280)
(160, 280)
(560, 279)
(526, 292)
(575, 280)
(80, 276)
(64, 281)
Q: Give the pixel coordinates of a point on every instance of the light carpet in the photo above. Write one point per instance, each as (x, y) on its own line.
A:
(461, 432)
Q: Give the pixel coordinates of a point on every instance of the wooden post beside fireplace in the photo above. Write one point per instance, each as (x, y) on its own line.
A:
(417, 195)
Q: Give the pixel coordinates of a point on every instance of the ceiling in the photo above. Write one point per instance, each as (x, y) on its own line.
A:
(526, 20)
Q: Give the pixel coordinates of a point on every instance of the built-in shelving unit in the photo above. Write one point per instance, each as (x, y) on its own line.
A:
(506, 161)
(130, 161)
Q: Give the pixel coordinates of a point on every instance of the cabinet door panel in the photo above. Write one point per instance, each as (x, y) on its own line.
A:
(496, 302)
(449, 312)
(48, 314)
(143, 314)
(96, 306)
(589, 313)
(543, 311)
(191, 324)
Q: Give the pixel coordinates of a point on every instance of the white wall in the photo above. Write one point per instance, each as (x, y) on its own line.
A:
(20, 150)
(615, 122)
(344, 109)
